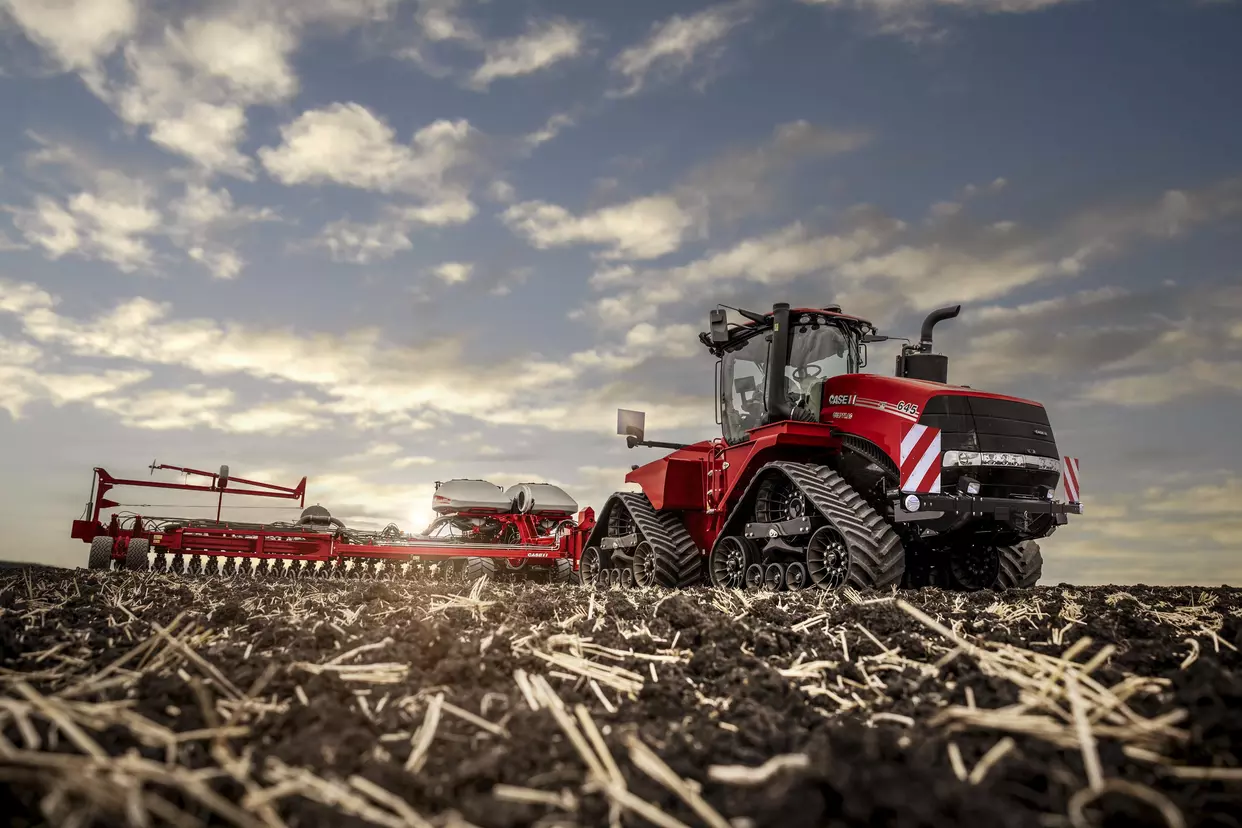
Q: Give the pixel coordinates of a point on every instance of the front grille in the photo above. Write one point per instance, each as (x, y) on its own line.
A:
(983, 424)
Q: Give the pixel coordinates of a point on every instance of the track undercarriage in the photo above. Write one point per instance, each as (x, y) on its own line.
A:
(796, 526)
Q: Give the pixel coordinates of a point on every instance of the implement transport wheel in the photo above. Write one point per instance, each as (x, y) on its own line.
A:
(562, 571)
(973, 566)
(101, 553)
(728, 561)
(774, 577)
(136, 555)
(589, 565)
(1020, 566)
(478, 567)
(754, 576)
(644, 566)
(796, 576)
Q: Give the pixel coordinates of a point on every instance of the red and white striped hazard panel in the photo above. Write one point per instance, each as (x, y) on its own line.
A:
(1070, 479)
(920, 459)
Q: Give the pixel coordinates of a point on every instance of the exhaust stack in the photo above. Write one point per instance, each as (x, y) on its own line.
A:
(917, 361)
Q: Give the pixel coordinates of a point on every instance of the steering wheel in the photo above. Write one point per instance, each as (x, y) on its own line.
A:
(804, 371)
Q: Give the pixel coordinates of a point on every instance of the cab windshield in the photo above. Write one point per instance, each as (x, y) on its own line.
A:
(815, 354)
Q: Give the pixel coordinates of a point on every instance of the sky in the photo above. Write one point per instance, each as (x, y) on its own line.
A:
(382, 243)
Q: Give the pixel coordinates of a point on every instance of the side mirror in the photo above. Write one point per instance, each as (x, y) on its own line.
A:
(631, 423)
(719, 325)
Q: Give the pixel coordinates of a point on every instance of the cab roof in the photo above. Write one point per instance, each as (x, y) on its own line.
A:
(748, 328)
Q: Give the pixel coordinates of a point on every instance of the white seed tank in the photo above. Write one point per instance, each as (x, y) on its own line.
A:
(469, 495)
(541, 499)
(461, 495)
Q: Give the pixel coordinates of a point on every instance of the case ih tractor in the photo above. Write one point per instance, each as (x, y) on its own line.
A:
(825, 476)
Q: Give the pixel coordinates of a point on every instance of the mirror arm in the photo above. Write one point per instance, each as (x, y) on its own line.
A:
(631, 441)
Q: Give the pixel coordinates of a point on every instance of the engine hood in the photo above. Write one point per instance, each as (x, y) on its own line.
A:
(901, 389)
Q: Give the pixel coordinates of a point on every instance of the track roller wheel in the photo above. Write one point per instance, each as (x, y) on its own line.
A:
(478, 567)
(796, 576)
(774, 577)
(1021, 566)
(627, 578)
(973, 566)
(644, 566)
(828, 559)
(754, 576)
(101, 553)
(136, 555)
(729, 560)
(602, 578)
(590, 565)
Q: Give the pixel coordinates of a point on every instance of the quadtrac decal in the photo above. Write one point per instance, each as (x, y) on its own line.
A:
(1072, 489)
(920, 460)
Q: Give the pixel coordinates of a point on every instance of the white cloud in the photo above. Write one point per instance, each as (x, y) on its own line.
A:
(348, 145)
(207, 134)
(550, 129)
(198, 406)
(25, 373)
(733, 184)
(110, 222)
(454, 273)
(201, 217)
(76, 33)
(188, 76)
(361, 379)
(361, 244)
(879, 267)
(912, 19)
(675, 44)
(542, 46)
(645, 228)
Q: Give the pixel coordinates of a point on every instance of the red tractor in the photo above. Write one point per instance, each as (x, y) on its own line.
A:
(826, 476)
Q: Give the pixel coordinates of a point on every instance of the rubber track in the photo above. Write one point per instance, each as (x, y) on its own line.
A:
(1019, 568)
(877, 558)
(678, 562)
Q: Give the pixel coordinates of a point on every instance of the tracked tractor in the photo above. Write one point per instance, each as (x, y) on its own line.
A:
(825, 476)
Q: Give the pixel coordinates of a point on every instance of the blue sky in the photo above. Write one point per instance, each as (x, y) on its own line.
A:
(384, 242)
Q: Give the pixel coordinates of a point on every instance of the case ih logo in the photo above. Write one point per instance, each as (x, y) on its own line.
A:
(920, 460)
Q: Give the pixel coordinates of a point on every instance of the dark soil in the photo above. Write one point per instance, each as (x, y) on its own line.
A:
(886, 736)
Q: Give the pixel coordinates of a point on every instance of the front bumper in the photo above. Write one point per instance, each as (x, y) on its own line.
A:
(930, 506)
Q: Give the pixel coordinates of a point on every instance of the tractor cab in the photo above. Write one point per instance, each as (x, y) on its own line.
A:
(773, 366)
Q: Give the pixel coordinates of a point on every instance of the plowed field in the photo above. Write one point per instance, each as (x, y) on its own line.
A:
(150, 699)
